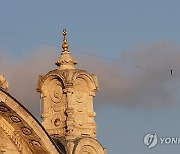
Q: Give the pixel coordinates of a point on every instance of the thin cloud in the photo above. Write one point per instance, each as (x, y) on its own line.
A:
(120, 85)
(23, 75)
(145, 80)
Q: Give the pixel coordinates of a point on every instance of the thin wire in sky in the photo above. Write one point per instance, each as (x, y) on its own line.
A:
(90, 54)
(26, 37)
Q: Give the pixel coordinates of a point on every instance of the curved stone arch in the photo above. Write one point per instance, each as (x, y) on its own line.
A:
(91, 80)
(88, 145)
(47, 85)
(22, 128)
(50, 76)
(51, 80)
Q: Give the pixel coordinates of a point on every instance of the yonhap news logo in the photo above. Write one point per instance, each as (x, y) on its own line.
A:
(151, 140)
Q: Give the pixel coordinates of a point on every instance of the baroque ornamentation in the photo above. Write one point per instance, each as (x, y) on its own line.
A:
(3, 108)
(89, 145)
(56, 93)
(22, 129)
(36, 143)
(79, 91)
(68, 103)
(15, 119)
(26, 131)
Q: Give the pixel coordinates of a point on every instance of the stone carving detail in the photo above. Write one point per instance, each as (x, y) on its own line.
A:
(3, 108)
(67, 97)
(21, 129)
(15, 119)
(17, 139)
(3, 83)
(56, 93)
(80, 91)
(57, 122)
(36, 143)
(88, 145)
(88, 149)
(26, 131)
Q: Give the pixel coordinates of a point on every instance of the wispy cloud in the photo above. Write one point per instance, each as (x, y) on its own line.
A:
(23, 75)
(145, 80)
(147, 85)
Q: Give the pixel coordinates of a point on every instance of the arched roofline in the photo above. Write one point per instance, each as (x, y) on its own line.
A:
(51, 75)
(91, 80)
(25, 124)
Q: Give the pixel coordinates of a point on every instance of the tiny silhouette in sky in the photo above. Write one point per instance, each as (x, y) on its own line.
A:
(171, 72)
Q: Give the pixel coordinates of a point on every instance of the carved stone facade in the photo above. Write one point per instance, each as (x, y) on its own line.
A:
(20, 132)
(68, 115)
(68, 103)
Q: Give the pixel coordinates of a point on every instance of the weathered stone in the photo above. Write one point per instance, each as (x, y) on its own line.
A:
(3, 83)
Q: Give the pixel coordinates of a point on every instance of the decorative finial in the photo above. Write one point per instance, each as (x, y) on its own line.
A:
(66, 61)
(65, 32)
(65, 44)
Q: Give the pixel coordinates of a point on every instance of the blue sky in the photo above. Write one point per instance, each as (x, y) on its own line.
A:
(136, 100)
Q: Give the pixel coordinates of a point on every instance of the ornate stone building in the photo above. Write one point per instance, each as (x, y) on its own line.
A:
(68, 125)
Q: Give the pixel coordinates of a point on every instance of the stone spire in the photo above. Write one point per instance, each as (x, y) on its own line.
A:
(67, 105)
(66, 61)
